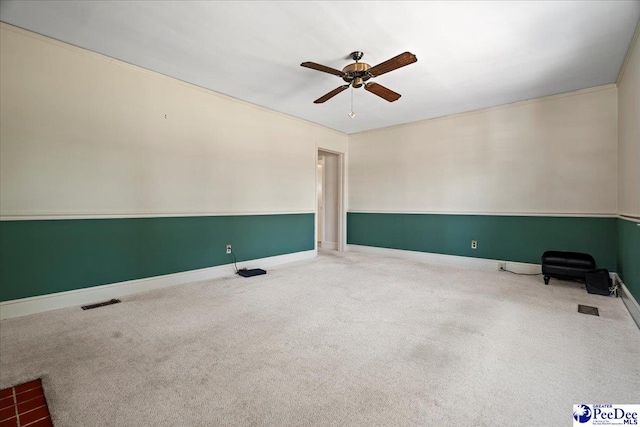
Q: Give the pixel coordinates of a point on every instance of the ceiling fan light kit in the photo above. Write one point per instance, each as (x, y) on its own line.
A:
(358, 73)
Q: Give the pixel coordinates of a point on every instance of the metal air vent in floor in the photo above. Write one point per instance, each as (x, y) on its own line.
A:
(587, 309)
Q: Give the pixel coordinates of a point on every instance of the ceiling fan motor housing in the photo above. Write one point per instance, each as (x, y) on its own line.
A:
(356, 73)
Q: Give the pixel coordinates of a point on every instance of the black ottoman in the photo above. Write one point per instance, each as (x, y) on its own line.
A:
(566, 265)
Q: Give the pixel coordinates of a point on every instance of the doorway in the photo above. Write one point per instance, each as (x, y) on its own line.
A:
(329, 193)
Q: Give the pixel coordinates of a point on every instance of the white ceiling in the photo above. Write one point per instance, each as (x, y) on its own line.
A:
(470, 54)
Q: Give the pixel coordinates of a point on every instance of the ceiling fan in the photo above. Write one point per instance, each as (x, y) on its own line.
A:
(358, 73)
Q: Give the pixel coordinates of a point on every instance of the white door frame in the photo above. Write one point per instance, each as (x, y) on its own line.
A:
(320, 215)
(342, 222)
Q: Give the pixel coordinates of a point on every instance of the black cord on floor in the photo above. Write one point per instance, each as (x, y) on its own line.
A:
(234, 262)
(521, 274)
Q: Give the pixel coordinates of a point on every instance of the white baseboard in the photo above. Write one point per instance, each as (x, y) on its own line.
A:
(37, 304)
(329, 245)
(481, 263)
(629, 301)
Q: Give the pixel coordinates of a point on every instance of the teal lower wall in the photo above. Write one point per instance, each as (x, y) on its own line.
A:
(43, 257)
(509, 238)
(629, 255)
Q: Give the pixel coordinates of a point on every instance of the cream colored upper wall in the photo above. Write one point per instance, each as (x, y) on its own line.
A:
(629, 136)
(551, 155)
(82, 134)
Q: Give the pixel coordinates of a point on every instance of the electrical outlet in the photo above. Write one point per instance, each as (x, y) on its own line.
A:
(474, 244)
(502, 265)
(228, 249)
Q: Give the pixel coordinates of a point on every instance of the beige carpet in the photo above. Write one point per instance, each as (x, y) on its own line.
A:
(341, 340)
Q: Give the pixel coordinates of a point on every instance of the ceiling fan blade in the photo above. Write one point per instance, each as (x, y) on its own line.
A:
(382, 92)
(322, 68)
(393, 64)
(330, 94)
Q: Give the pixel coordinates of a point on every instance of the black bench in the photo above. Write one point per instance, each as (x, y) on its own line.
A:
(566, 265)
